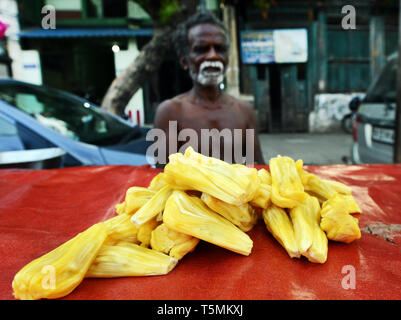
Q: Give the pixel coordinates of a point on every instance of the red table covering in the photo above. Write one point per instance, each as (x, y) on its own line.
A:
(40, 210)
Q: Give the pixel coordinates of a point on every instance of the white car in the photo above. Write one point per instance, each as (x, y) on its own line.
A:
(37, 117)
(375, 120)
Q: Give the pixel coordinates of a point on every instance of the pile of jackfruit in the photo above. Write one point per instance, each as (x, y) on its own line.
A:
(198, 198)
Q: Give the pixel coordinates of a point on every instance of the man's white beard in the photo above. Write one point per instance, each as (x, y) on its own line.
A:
(205, 77)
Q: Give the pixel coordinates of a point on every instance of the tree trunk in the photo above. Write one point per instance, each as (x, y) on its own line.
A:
(150, 58)
(135, 76)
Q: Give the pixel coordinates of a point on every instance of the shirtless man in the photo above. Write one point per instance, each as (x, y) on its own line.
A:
(202, 47)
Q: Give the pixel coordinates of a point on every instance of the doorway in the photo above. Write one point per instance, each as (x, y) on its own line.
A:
(275, 97)
(288, 103)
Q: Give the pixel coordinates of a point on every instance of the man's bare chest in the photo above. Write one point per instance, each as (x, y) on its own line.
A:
(213, 120)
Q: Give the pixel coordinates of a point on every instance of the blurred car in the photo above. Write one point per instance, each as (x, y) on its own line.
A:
(38, 117)
(373, 134)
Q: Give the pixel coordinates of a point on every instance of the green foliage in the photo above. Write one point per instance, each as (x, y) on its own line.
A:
(263, 4)
(167, 9)
(160, 10)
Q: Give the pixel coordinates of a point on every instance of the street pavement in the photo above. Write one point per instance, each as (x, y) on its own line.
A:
(313, 149)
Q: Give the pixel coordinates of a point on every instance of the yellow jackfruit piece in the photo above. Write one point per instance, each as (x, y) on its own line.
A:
(318, 251)
(323, 189)
(339, 187)
(243, 216)
(120, 207)
(265, 176)
(280, 226)
(127, 259)
(262, 198)
(311, 239)
(341, 227)
(152, 207)
(173, 243)
(120, 227)
(59, 272)
(341, 203)
(303, 228)
(145, 232)
(287, 188)
(337, 221)
(136, 197)
(157, 182)
(263, 193)
(234, 184)
(189, 215)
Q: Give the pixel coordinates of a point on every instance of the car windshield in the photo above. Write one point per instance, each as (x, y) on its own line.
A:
(384, 89)
(68, 115)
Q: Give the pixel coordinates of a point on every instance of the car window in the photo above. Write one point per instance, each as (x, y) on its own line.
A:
(9, 139)
(69, 116)
(7, 128)
(384, 89)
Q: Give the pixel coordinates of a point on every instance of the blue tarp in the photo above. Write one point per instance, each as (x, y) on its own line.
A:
(84, 33)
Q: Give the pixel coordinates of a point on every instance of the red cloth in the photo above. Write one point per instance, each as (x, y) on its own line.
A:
(40, 210)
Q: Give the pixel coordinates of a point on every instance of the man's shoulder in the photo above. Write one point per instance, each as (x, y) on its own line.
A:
(172, 104)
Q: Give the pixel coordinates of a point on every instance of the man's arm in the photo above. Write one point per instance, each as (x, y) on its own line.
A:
(253, 124)
(163, 116)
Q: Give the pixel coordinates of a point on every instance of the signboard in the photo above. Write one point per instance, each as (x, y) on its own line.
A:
(274, 46)
(257, 46)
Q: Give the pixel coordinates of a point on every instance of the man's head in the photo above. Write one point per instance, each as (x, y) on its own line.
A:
(202, 47)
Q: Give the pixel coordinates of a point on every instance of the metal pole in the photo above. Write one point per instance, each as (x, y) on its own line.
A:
(397, 129)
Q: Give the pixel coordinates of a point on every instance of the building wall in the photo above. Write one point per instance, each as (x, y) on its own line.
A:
(341, 62)
(328, 111)
(25, 64)
(122, 59)
(70, 63)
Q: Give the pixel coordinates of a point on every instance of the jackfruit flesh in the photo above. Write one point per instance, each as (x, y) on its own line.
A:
(287, 188)
(303, 228)
(152, 208)
(280, 226)
(157, 182)
(265, 176)
(173, 243)
(311, 239)
(263, 193)
(120, 227)
(341, 203)
(234, 184)
(59, 272)
(323, 189)
(339, 187)
(145, 232)
(341, 227)
(318, 251)
(243, 216)
(127, 259)
(262, 198)
(189, 215)
(135, 197)
(199, 198)
(337, 221)
(120, 207)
